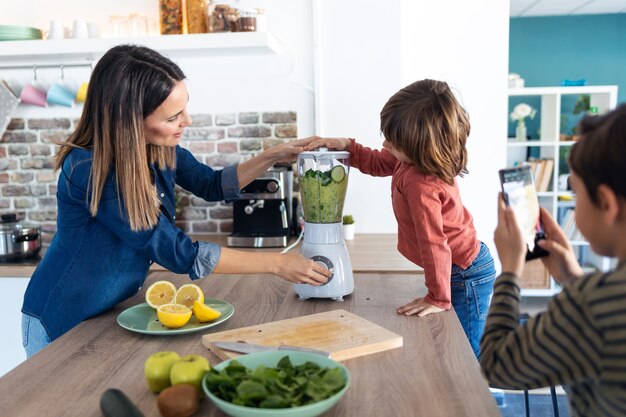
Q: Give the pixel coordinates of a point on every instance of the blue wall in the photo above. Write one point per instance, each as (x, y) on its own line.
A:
(547, 50)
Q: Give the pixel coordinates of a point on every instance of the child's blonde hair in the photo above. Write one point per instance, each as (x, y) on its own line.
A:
(426, 122)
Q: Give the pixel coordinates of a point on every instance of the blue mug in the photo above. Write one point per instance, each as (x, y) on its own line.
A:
(60, 95)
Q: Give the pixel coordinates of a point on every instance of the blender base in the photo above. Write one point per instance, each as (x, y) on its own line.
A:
(323, 243)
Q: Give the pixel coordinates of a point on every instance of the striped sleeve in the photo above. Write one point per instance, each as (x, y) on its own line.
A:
(557, 346)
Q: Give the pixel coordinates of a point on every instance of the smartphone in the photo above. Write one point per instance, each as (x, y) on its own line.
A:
(518, 189)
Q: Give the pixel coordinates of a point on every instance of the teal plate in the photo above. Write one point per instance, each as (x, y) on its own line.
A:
(143, 319)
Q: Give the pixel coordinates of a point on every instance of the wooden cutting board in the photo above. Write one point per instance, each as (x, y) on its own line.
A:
(343, 334)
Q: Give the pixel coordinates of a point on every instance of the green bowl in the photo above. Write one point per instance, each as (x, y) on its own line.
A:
(253, 360)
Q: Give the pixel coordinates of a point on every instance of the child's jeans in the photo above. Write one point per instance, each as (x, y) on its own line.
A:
(34, 335)
(471, 295)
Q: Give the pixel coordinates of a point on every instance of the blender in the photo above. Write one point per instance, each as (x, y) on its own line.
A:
(323, 178)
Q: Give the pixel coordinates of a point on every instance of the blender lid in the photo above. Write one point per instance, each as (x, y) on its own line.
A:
(324, 152)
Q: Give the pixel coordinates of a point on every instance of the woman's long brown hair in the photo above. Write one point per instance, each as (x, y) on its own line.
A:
(128, 84)
(426, 122)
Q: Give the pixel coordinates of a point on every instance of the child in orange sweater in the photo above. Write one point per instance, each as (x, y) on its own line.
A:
(425, 130)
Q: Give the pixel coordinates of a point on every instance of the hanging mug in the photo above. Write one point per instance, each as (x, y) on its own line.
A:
(60, 93)
(81, 94)
(33, 93)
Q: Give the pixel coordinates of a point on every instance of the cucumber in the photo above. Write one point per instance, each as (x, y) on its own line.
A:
(114, 403)
(338, 173)
(325, 179)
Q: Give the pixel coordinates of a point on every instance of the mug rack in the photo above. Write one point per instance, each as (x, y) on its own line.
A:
(35, 67)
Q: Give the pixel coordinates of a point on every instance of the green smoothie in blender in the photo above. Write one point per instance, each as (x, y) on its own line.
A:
(323, 194)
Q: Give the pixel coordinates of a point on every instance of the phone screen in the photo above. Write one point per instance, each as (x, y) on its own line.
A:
(520, 194)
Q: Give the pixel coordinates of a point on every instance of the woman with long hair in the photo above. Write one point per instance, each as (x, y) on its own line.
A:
(116, 201)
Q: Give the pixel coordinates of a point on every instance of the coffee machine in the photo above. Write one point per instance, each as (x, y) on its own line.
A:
(263, 215)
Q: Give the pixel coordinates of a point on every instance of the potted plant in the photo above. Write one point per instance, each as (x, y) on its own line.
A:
(348, 227)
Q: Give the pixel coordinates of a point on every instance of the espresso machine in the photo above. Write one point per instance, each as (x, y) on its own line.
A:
(262, 217)
(323, 179)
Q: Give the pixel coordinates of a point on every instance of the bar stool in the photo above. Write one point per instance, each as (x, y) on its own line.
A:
(555, 405)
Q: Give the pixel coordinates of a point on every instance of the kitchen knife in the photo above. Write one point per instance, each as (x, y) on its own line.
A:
(242, 347)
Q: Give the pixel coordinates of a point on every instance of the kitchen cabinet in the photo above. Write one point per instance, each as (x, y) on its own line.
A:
(66, 51)
(549, 146)
(11, 349)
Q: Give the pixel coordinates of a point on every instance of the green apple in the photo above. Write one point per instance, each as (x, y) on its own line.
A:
(189, 369)
(157, 370)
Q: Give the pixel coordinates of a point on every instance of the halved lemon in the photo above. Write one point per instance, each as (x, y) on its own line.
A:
(204, 313)
(173, 315)
(189, 293)
(159, 293)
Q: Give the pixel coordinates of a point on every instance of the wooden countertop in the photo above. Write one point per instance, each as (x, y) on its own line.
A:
(368, 253)
(433, 374)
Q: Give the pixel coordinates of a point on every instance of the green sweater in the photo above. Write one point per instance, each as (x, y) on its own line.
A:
(580, 341)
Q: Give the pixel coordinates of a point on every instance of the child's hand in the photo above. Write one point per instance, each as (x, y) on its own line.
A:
(419, 307)
(509, 240)
(339, 144)
(561, 262)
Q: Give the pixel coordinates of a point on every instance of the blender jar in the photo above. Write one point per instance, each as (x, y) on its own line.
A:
(323, 178)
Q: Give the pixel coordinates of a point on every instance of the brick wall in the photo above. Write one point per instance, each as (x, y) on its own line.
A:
(28, 182)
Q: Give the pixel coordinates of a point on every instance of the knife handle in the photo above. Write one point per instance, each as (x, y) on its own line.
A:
(304, 349)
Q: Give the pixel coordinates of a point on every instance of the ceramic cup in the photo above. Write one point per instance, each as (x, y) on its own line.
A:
(81, 94)
(93, 30)
(32, 94)
(59, 94)
(80, 30)
(56, 31)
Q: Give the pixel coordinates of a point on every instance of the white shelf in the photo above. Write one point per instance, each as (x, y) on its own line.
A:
(80, 50)
(539, 292)
(541, 91)
(515, 143)
(550, 147)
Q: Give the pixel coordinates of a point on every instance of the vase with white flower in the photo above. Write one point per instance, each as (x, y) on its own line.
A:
(519, 113)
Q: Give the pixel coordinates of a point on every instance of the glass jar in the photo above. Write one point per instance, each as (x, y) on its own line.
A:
(137, 25)
(196, 16)
(171, 17)
(261, 20)
(232, 18)
(216, 18)
(118, 26)
(247, 20)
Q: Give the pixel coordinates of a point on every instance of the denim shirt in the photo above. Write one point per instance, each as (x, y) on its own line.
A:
(93, 263)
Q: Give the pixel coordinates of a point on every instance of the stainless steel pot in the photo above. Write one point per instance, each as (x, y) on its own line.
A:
(18, 240)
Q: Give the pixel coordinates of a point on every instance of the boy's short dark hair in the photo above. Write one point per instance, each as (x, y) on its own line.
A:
(426, 122)
(599, 157)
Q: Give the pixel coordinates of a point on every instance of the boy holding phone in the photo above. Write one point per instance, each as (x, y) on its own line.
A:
(580, 340)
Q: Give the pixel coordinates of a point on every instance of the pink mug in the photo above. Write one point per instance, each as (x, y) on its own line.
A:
(33, 95)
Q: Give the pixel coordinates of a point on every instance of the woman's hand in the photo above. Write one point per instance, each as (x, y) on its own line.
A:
(295, 268)
(419, 307)
(288, 152)
(561, 262)
(509, 240)
(339, 144)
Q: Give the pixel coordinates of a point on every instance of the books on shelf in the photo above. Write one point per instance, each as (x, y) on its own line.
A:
(568, 224)
(542, 170)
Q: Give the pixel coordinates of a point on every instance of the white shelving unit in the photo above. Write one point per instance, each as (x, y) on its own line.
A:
(64, 51)
(549, 146)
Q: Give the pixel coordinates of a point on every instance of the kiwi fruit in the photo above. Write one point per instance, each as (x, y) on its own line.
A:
(178, 401)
